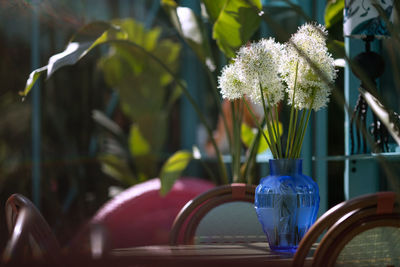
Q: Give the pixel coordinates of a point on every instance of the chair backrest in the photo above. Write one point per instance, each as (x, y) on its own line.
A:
(379, 207)
(191, 215)
(28, 227)
(369, 237)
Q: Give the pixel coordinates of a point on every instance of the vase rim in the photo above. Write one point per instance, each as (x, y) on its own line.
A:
(285, 166)
(286, 159)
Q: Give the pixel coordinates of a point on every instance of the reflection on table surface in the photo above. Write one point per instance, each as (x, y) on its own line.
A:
(253, 254)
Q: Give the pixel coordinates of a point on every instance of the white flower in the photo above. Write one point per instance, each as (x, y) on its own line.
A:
(259, 64)
(229, 83)
(311, 90)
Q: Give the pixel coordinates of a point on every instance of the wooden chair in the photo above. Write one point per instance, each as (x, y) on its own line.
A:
(28, 228)
(344, 222)
(188, 220)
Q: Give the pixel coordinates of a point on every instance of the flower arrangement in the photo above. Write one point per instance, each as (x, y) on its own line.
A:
(267, 72)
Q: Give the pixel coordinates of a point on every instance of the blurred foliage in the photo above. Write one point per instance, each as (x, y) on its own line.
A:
(146, 94)
(334, 24)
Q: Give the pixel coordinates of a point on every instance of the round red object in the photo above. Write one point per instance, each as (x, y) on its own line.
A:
(140, 216)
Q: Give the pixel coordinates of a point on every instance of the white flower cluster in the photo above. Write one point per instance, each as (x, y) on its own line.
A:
(307, 45)
(230, 83)
(255, 65)
(268, 64)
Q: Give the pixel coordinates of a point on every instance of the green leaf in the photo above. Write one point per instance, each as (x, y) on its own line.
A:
(248, 135)
(214, 8)
(86, 39)
(236, 23)
(333, 13)
(137, 143)
(117, 168)
(32, 80)
(172, 169)
(192, 30)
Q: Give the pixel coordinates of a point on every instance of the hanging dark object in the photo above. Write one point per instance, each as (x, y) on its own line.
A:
(369, 66)
(367, 20)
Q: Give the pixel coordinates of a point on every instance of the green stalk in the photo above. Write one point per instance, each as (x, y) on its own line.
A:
(272, 132)
(279, 134)
(275, 132)
(303, 132)
(235, 149)
(296, 147)
(232, 148)
(294, 133)
(273, 145)
(257, 123)
(251, 156)
(291, 127)
(272, 137)
(304, 129)
(290, 131)
(219, 106)
(239, 140)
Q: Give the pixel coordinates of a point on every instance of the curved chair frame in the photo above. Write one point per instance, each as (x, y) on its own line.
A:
(381, 203)
(346, 229)
(27, 226)
(185, 224)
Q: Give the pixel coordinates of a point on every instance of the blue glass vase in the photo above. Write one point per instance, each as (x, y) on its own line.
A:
(286, 203)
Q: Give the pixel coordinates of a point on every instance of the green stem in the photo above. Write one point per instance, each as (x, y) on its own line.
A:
(294, 133)
(304, 129)
(279, 134)
(239, 140)
(291, 127)
(252, 152)
(296, 147)
(257, 123)
(237, 115)
(219, 106)
(273, 144)
(290, 131)
(275, 132)
(303, 132)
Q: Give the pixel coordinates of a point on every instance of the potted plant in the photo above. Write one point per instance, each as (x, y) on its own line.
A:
(286, 200)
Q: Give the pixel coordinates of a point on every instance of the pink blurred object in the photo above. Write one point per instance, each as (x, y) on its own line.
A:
(139, 216)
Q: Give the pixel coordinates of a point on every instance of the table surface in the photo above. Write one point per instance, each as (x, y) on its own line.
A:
(253, 254)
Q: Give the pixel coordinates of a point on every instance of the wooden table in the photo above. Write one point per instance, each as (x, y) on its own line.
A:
(249, 254)
(255, 254)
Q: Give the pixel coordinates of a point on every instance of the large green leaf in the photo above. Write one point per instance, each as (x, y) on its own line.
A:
(333, 12)
(236, 23)
(214, 8)
(142, 83)
(86, 39)
(172, 169)
(192, 30)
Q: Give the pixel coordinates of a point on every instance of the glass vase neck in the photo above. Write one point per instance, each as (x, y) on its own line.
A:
(285, 166)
